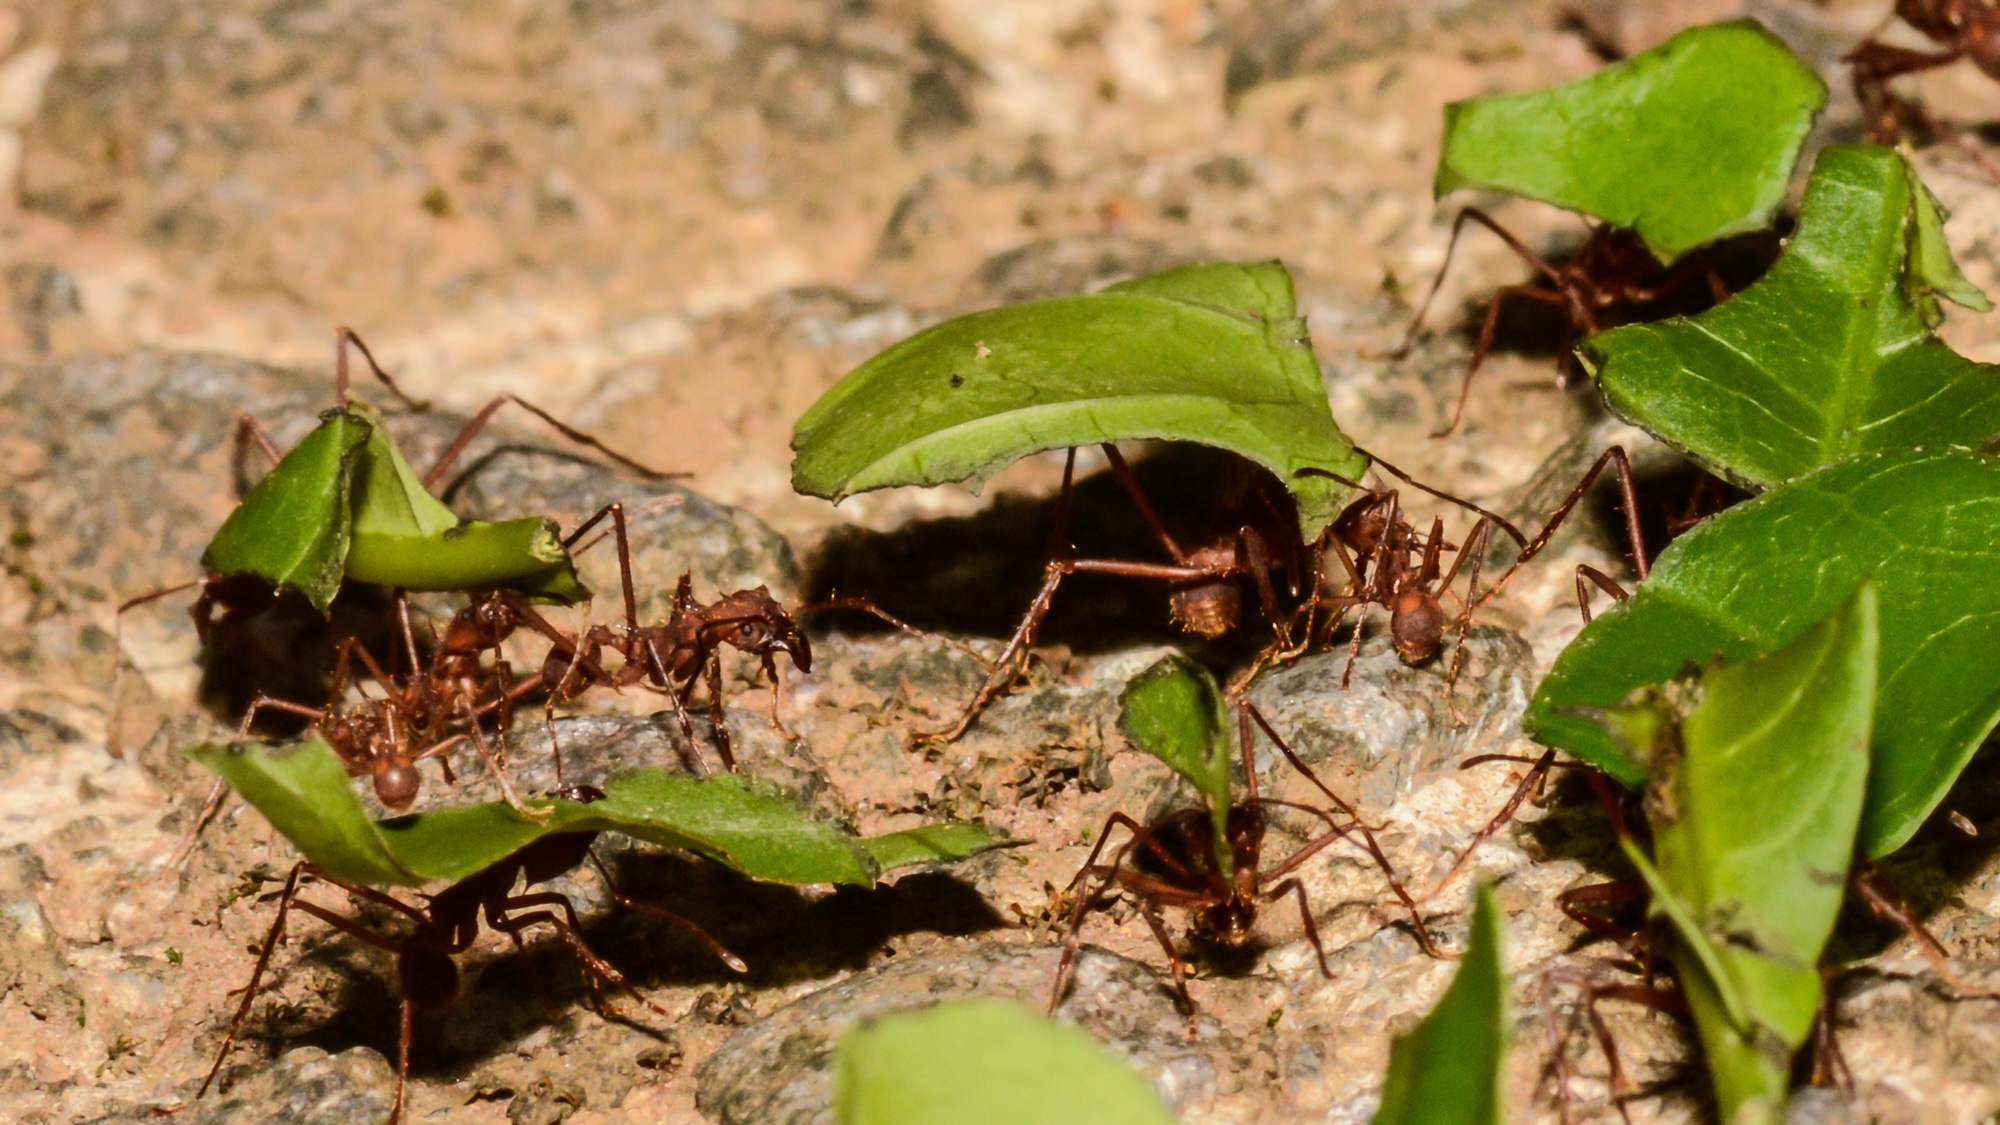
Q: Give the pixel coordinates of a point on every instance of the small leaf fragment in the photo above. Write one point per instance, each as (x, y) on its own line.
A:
(984, 1062)
(1213, 353)
(1830, 354)
(1925, 526)
(294, 526)
(1685, 144)
(1174, 711)
(1448, 1069)
(1753, 830)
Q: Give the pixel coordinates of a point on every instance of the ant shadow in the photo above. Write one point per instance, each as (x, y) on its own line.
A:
(784, 935)
(975, 575)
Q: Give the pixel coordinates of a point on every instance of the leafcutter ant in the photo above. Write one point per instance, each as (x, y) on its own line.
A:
(1965, 29)
(1177, 861)
(1604, 283)
(447, 924)
(670, 657)
(1204, 584)
(345, 504)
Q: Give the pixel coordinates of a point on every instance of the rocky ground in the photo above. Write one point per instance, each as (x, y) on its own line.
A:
(677, 223)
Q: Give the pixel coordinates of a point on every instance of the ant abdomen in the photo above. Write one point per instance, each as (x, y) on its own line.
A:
(397, 782)
(1416, 626)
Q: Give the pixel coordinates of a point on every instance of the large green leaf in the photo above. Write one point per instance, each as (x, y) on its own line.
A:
(1760, 789)
(1175, 712)
(305, 794)
(292, 528)
(1830, 354)
(1212, 353)
(1447, 1070)
(1926, 526)
(1689, 142)
(984, 1062)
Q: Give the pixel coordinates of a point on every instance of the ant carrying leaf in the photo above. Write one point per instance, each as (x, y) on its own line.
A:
(1208, 860)
(1622, 148)
(448, 922)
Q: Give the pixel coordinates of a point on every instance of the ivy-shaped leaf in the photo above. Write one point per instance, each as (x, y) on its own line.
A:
(1760, 788)
(1175, 712)
(984, 1062)
(306, 795)
(1447, 1070)
(1684, 144)
(1830, 354)
(1923, 525)
(1213, 353)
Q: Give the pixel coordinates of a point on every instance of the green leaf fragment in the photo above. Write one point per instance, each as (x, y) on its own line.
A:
(984, 1062)
(1753, 830)
(292, 529)
(1448, 1069)
(1175, 712)
(1830, 354)
(1684, 144)
(306, 795)
(1925, 526)
(1213, 353)
(1932, 267)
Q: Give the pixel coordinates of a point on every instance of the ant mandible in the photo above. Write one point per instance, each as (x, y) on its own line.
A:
(449, 922)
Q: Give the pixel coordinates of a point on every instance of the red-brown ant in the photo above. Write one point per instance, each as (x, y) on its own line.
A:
(1609, 276)
(670, 657)
(1966, 29)
(449, 922)
(1177, 861)
(1204, 583)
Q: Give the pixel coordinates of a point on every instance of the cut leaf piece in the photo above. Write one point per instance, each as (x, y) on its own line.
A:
(1175, 712)
(292, 528)
(984, 1062)
(1684, 144)
(1926, 526)
(1447, 1070)
(1830, 354)
(305, 794)
(1212, 353)
(1760, 797)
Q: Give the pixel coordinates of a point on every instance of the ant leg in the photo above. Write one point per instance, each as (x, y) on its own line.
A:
(1829, 1065)
(594, 965)
(1599, 579)
(492, 760)
(344, 336)
(1011, 661)
(1573, 901)
(1535, 781)
(618, 896)
(717, 719)
(1139, 500)
(1151, 914)
(219, 791)
(1373, 848)
(1628, 499)
(405, 1026)
(1497, 519)
(1298, 891)
(863, 605)
(1885, 902)
(617, 513)
(113, 744)
(1473, 214)
(1487, 330)
(472, 428)
(771, 673)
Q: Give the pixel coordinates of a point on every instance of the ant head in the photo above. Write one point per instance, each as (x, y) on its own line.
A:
(428, 976)
(754, 622)
(1228, 923)
(1363, 522)
(1207, 609)
(581, 794)
(396, 781)
(1416, 625)
(480, 625)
